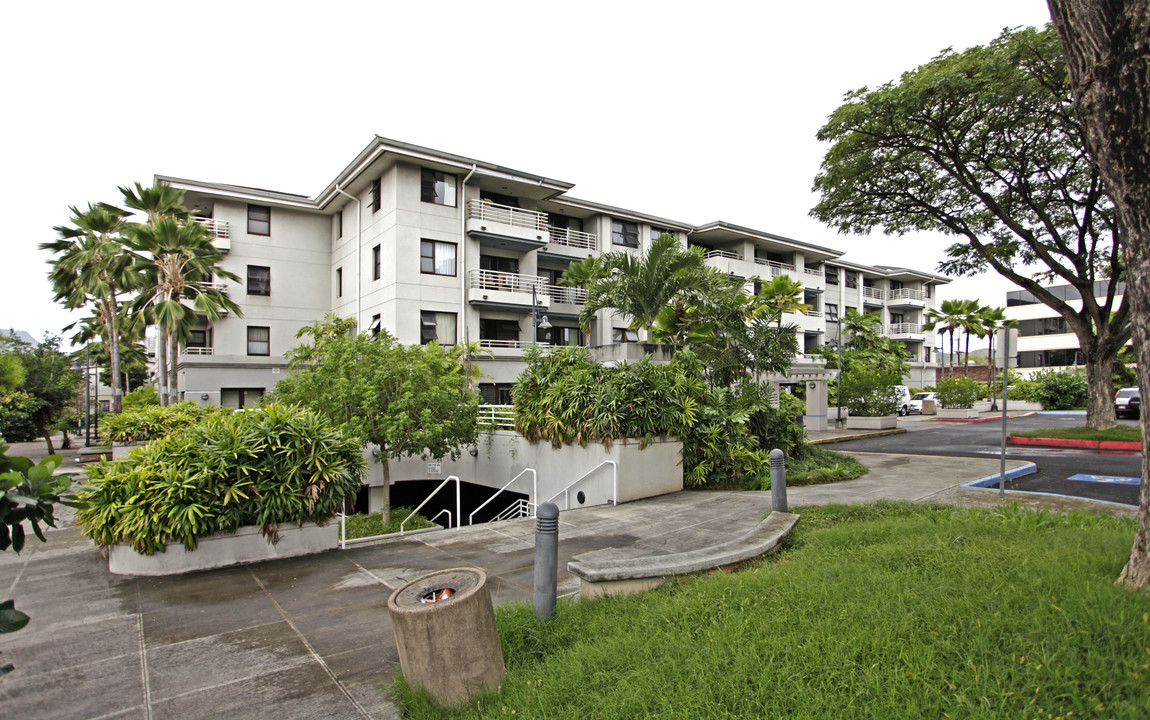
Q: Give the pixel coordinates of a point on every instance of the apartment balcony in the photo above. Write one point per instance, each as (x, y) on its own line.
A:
(506, 227)
(566, 244)
(565, 301)
(814, 272)
(906, 298)
(508, 348)
(907, 332)
(494, 290)
(198, 351)
(728, 262)
(810, 359)
(775, 268)
(221, 230)
(872, 296)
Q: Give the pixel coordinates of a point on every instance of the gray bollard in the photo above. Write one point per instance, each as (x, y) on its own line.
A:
(546, 559)
(778, 481)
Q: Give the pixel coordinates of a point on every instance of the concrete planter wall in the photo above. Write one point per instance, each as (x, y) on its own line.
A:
(957, 413)
(246, 545)
(863, 422)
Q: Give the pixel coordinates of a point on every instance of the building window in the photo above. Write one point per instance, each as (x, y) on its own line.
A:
(259, 340)
(503, 330)
(567, 336)
(375, 262)
(812, 299)
(897, 318)
(496, 393)
(259, 220)
(437, 326)
(927, 289)
(437, 258)
(375, 326)
(237, 398)
(656, 232)
(624, 335)
(832, 313)
(339, 282)
(926, 353)
(339, 224)
(852, 279)
(832, 276)
(259, 280)
(198, 339)
(625, 233)
(376, 195)
(437, 188)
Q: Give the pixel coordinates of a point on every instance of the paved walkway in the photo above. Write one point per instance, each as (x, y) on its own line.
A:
(310, 637)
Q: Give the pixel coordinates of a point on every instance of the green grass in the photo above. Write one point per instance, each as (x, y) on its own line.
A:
(368, 525)
(1122, 433)
(882, 611)
(817, 465)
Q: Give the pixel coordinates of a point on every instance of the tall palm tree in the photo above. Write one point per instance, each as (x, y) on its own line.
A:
(993, 319)
(946, 318)
(182, 262)
(971, 322)
(639, 286)
(93, 266)
(862, 327)
(782, 294)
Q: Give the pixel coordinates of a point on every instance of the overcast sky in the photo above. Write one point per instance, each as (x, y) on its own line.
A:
(694, 112)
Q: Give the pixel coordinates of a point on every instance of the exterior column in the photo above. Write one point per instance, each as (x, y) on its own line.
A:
(816, 418)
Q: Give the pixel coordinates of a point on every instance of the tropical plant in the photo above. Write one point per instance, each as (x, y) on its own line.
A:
(1059, 389)
(781, 295)
(406, 400)
(49, 381)
(152, 422)
(871, 392)
(94, 267)
(142, 397)
(959, 392)
(950, 317)
(268, 467)
(863, 329)
(985, 145)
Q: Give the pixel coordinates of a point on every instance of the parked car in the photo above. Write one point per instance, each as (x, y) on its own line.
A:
(914, 405)
(903, 400)
(1128, 402)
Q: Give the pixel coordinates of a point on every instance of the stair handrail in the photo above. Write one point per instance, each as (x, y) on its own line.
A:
(446, 480)
(614, 484)
(534, 482)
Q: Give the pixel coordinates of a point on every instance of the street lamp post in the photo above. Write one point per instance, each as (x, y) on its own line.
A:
(87, 397)
(839, 383)
(536, 321)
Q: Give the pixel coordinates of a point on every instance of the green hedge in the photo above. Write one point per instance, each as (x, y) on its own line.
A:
(278, 464)
(960, 392)
(871, 392)
(153, 422)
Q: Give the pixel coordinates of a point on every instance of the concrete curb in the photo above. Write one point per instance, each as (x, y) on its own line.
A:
(980, 420)
(856, 436)
(990, 480)
(1071, 443)
(622, 577)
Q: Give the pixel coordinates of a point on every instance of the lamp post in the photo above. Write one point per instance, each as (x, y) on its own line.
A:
(839, 383)
(87, 397)
(536, 321)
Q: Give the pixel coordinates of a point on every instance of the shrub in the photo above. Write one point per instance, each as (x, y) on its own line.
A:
(153, 422)
(1060, 390)
(371, 524)
(16, 410)
(140, 398)
(871, 392)
(961, 392)
(278, 464)
(790, 405)
(814, 465)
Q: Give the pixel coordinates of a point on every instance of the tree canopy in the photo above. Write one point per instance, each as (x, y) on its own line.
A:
(984, 145)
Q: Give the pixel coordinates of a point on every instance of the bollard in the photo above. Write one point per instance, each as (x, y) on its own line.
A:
(546, 559)
(778, 481)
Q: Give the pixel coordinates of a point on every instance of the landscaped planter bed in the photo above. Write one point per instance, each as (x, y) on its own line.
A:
(866, 422)
(246, 545)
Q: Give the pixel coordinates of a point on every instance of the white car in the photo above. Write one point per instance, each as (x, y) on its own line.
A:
(915, 403)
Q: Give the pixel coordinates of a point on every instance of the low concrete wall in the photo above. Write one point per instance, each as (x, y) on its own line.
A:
(246, 545)
(655, 470)
(863, 422)
(957, 413)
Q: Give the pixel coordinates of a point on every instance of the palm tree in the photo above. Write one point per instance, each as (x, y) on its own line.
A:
(863, 328)
(640, 286)
(182, 262)
(782, 295)
(947, 318)
(93, 266)
(992, 319)
(971, 323)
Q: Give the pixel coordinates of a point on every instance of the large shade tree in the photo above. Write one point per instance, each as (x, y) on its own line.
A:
(984, 145)
(407, 400)
(1107, 48)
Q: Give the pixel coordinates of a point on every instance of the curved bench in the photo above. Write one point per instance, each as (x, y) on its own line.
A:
(634, 575)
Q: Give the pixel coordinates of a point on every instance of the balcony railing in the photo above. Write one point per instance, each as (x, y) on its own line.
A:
(572, 238)
(509, 344)
(816, 271)
(903, 329)
(814, 313)
(220, 228)
(507, 282)
(777, 268)
(905, 294)
(506, 215)
(713, 254)
(496, 416)
(872, 292)
(199, 351)
(568, 295)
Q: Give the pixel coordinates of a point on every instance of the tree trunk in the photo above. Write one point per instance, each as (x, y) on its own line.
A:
(385, 511)
(162, 366)
(1100, 391)
(173, 367)
(1106, 44)
(113, 341)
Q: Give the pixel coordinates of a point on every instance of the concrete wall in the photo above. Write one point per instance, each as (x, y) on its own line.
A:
(654, 470)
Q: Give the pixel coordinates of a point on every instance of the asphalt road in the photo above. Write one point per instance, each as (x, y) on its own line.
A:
(984, 439)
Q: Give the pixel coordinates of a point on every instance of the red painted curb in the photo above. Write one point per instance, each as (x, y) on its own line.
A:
(1068, 443)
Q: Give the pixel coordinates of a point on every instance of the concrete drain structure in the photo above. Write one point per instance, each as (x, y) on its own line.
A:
(445, 632)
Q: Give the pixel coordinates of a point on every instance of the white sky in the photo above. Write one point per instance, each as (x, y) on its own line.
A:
(692, 111)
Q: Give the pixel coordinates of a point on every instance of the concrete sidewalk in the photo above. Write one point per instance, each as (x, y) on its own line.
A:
(310, 637)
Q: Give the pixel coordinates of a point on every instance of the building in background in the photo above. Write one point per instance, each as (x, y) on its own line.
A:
(1044, 338)
(434, 246)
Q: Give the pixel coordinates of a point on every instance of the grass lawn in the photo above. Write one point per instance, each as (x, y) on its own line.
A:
(1122, 433)
(891, 610)
(371, 524)
(817, 465)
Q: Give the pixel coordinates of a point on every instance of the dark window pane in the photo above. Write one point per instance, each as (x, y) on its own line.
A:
(259, 220)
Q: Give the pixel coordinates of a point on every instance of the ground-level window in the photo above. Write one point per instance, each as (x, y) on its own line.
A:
(259, 340)
(236, 398)
(437, 326)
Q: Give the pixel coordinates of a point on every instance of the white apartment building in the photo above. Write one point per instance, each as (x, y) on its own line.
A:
(1045, 340)
(431, 245)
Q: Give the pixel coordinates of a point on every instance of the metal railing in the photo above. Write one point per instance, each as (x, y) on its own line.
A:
(777, 268)
(506, 282)
(812, 358)
(199, 351)
(519, 508)
(510, 344)
(446, 480)
(814, 313)
(497, 416)
(872, 292)
(713, 254)
(572, 238)
(222, 287)
(220, 228)
(614, 485)
(905, 294)
(816, 271)
(534, 485)
(568, 295)
(506, 215)
(903, 328)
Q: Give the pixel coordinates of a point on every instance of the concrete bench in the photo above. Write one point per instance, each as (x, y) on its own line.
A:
(634, 575)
